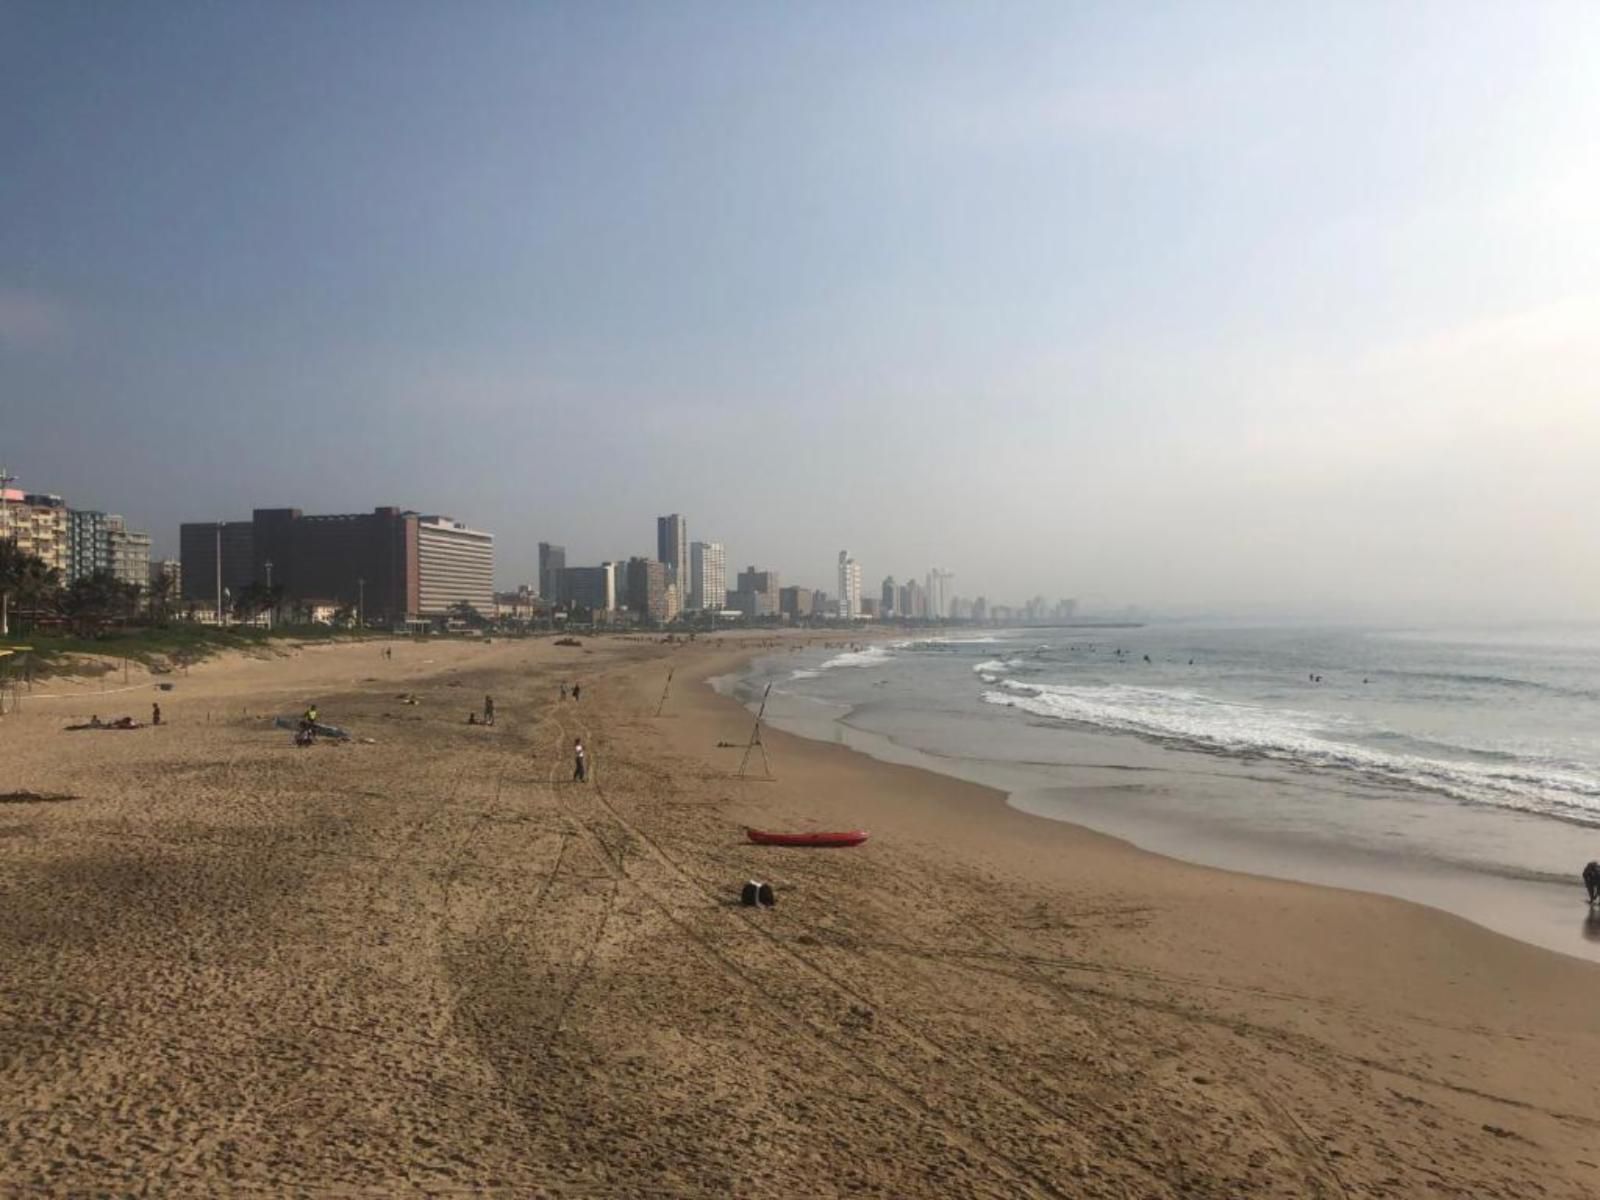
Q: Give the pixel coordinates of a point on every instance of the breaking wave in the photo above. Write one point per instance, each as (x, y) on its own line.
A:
(1196, 721)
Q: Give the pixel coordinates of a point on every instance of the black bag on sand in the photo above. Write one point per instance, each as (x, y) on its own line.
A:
(749, 896)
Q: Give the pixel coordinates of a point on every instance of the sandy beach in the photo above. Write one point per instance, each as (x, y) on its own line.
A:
(427, 962)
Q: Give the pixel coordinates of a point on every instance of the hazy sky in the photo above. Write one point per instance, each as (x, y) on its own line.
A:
(1268, 308)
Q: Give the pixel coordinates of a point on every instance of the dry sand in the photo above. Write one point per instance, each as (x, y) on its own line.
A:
(434, 964)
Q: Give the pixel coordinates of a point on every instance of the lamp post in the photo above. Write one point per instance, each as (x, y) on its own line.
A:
(361, 603)
(219, 573)
(272, 604)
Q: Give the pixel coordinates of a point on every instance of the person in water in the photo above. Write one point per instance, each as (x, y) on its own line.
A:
(580, 766)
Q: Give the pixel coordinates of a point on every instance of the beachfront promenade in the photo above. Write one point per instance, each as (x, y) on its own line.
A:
(429, 960)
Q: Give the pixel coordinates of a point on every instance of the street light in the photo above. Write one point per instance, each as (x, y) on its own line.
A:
(219, 572)
(272, 605)
(361, 603)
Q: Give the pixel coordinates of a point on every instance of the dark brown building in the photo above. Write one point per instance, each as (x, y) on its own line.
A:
(365, 561)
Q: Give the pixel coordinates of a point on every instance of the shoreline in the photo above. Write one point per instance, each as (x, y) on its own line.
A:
(434, 963)
(1175, 803)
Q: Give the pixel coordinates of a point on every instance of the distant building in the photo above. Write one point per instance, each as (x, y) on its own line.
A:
(455, 565)
(795, 602)
(938, 593)
(646, 590)
(386, 565)
(889, 603)
(127, 553)
(708, 574)
(39, 525)
(368, 563)
(592, 588)
(552, 561)
(764, 586)
(849, 587)
(869, 608)
(518, 605)
(205, 546)
(87, 549)
(672, 551)
(167, 568)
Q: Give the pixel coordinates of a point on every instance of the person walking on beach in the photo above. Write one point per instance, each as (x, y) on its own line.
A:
(563, 689)
(574, 693)
(580, 767)
(155, 714)
(488, 710)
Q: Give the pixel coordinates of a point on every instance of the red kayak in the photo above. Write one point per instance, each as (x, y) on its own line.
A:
(850, 837)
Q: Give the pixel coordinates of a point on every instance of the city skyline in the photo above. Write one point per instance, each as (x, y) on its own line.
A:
(1207, 309)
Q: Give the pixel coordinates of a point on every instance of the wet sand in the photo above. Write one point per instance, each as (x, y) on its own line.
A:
(433, 963)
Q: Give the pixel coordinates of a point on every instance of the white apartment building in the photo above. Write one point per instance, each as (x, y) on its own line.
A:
(708, 576)
(454, 563)
(849, 587)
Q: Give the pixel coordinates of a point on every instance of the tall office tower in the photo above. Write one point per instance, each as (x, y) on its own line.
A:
(939, 593)
(552, 561)
(672, 546)
(708, 575)
(886, 606)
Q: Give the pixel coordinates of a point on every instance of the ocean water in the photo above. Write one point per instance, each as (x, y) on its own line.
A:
(1456, 767)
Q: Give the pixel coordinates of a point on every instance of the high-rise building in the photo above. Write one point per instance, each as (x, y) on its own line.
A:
(849, 587)
(888, 605)
(708, 575)
(87, 551)
(939, 593)
(593, 588)
(38, 524)
(552, 560)
(127, 552)
(764, 586)
(386, 565)
(646, 591)
(795, 602)
(672, 551)
(455, 565)
(218, 560)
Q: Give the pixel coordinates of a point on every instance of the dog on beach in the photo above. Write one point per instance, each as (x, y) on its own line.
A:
(1591, 880)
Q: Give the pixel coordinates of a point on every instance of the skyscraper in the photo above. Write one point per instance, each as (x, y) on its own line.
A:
(708, 575)
(889, 597)
(672, 551)
(552, 561)
(849, 586)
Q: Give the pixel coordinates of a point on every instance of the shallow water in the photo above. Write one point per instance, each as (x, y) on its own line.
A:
(1455, 768)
